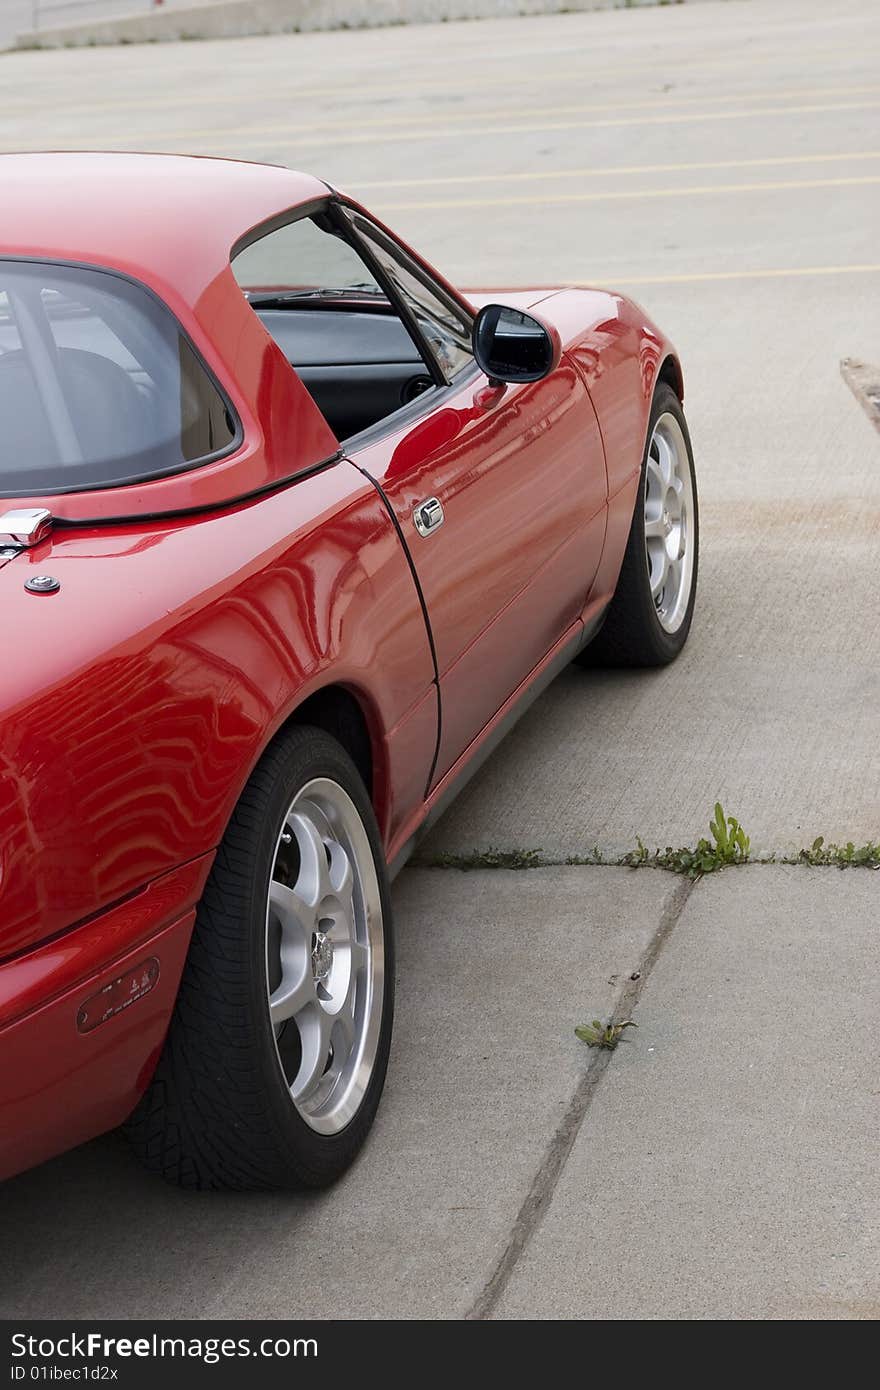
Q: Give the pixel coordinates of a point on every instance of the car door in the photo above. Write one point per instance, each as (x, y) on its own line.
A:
(499, 493)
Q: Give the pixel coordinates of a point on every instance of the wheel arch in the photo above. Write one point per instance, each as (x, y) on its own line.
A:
(670, 372)
(339, 712)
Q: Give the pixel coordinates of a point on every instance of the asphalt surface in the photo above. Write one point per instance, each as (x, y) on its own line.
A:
(722, 163)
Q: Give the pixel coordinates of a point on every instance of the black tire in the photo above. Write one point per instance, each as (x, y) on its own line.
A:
(632, 634)
(218, 1113)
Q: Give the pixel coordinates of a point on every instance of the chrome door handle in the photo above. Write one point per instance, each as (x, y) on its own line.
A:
(428, 516)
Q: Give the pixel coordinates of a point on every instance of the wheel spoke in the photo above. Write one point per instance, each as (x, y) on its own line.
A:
(296, 916)
(314, 1026)
(665, 458)
(341, 874)
(655, 528)
(295, 993)
(313, 880)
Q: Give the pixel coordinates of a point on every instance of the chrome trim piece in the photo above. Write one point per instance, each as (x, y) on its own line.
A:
(428, 516)
(25, 526)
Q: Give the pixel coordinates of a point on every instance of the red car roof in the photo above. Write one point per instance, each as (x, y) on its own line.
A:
(155, 215)
(171, 221)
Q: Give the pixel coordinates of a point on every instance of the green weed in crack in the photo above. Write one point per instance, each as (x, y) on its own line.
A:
(486, 859)
(728, 847)
(604, 1035)
(846, 856)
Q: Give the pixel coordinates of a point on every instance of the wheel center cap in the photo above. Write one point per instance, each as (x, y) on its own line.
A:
(667, 522)
(322, 956)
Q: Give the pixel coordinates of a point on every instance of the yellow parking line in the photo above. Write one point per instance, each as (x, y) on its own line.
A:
(613, 195)
(779, 274)
(543, 174)
(657, 102)
(237, 139)
(175, 101)
(243, 139)
(353, 80)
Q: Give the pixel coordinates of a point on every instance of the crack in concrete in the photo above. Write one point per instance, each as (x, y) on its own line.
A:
(546, 1179)
(520, 861)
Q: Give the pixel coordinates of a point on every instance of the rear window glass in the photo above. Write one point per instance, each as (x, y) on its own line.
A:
(99, 387)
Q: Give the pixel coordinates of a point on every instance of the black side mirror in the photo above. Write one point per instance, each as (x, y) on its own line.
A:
(512, 346)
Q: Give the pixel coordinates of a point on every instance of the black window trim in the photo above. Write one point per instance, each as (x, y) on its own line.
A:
(445, 386)
(353, 217)
(155, 475)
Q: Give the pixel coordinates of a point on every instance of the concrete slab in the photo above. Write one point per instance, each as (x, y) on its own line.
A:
(495, 971)
(728, 1165)
(773, 705)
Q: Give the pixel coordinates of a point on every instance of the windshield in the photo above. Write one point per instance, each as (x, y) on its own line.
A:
(99, 387)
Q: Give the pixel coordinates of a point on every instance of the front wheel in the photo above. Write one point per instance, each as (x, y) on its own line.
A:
(649, 617)
(276, 1055)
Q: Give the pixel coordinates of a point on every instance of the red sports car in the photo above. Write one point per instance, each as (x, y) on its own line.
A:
(291, 531)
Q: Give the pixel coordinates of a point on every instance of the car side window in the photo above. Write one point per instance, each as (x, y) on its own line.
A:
(363, 331)
(442, 321)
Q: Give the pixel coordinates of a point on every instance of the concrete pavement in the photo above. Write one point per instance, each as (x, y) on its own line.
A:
(727, 1167)
(721, 162)
(496, 971)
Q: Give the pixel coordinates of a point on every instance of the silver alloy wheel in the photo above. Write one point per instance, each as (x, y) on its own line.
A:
(325, 967)
(669, 522)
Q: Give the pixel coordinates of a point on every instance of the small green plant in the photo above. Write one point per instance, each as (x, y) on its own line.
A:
(605, 1035)
(729, 845)
(486, 859)
(843, 856)
(635, 858)
(592, 857)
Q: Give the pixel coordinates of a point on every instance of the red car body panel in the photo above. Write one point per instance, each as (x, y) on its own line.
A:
(198, 612)
(522, 478)
(170, 656)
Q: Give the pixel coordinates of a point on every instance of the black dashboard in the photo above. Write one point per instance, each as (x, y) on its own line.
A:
(359, 366)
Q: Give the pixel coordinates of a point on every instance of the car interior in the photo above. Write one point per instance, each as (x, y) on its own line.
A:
(331, 309)
(359, 366)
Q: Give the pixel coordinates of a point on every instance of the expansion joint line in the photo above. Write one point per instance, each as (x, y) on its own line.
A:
(546, 1179)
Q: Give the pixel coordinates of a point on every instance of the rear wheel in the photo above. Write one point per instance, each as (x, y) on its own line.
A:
(649, 618)
(276, 1056)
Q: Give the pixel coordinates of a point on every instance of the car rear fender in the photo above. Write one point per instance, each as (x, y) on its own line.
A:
(144, 691)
